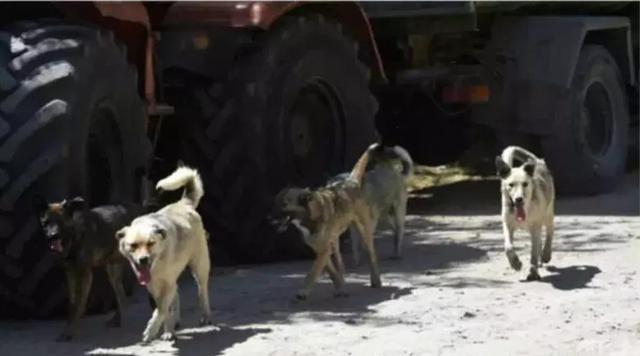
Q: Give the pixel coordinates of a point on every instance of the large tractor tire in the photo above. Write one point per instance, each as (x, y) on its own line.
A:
(295, 109)
(588, 150)
(71, 123)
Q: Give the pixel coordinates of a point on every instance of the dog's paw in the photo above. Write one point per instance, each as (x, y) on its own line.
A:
(533, 276)
(168, 336)
(146, 338)
(376, 283)
(546, 256)
(515, 263)
(205, 321)
(301, 296)
(64, 337)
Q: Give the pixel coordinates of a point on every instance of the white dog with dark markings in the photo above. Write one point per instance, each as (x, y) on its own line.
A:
(161, 245)
(528, 197)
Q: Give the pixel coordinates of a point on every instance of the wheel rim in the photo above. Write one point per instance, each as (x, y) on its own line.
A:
(597, 119)
(315, 133)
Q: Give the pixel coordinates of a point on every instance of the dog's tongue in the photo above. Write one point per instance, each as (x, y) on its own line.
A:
(56, 245)
(520, 214)
(143, 274)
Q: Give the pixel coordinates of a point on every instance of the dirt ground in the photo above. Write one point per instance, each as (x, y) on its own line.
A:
(451, 294)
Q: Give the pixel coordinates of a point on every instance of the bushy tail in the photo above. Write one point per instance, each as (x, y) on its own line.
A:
(518, 154)
(361, 166)
(188, 178)
(382, 153)
(405, 158)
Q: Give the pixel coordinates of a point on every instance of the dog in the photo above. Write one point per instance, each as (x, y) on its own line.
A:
(159, 246)
(385, 191)
(83, 239)
(528, 198)
(322, 215)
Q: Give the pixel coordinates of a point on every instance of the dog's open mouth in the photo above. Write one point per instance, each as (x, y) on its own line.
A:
(143, 273)
(56, 245)
(520, 214)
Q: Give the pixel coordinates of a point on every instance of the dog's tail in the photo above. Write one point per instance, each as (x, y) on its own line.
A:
(405, 159)
(513, 154)
(393, 153)
(188, 178)
(361, 166)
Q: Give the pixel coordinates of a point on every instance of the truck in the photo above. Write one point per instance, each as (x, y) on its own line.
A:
(100, 99)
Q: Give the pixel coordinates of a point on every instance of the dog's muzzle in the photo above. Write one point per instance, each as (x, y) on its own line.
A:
(280, 223)
(517, 206)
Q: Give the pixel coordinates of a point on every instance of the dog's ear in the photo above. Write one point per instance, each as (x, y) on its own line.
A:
(72, 205)
(159, 230)
(502, 168)
(529, 167)
(121, 233)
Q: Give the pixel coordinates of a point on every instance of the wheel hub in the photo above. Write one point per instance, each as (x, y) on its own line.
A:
(597, 119)
(315, 143)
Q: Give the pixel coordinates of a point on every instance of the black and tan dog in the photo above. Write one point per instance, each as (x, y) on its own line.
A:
(322, 215)
(84, 239)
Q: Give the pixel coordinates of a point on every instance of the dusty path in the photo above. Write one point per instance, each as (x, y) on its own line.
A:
(452, 294)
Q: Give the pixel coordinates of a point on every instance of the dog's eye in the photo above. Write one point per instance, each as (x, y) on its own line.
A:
(151, 243)
(133, 246)
(511, 185)
(524, 185)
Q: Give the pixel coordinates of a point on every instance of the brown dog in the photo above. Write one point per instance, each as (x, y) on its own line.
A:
(322, 215)
(83, 239)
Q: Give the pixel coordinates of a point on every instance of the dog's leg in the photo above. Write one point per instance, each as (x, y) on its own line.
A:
(160, 315)
(114, 273)
(153, 325)
(319, 264)
(83, 286)
(171, 314)
(337, 255)
(398, 221)
(337, 278)
(200, 266)
(355, 245)
(536, 242)
(548, 242)
(509, 250)
(367, 239)
(175, 311)
(71, 277)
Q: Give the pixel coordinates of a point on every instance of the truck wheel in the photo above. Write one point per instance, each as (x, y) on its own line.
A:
(587, 152)
(295, 110)
(69, 111)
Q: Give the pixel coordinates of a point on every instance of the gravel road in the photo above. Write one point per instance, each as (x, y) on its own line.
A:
(451, 294)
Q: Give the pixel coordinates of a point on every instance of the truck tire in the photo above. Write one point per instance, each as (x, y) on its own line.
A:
(295, 109)
(69, 111)
(587, 152)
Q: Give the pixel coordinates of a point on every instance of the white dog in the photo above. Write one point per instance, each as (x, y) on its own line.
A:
(161, 245)
(528, 197)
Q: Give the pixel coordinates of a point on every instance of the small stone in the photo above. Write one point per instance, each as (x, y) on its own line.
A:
(467, 315)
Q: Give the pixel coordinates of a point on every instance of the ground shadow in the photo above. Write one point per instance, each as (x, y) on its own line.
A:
(191, 343)
(570, 278)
